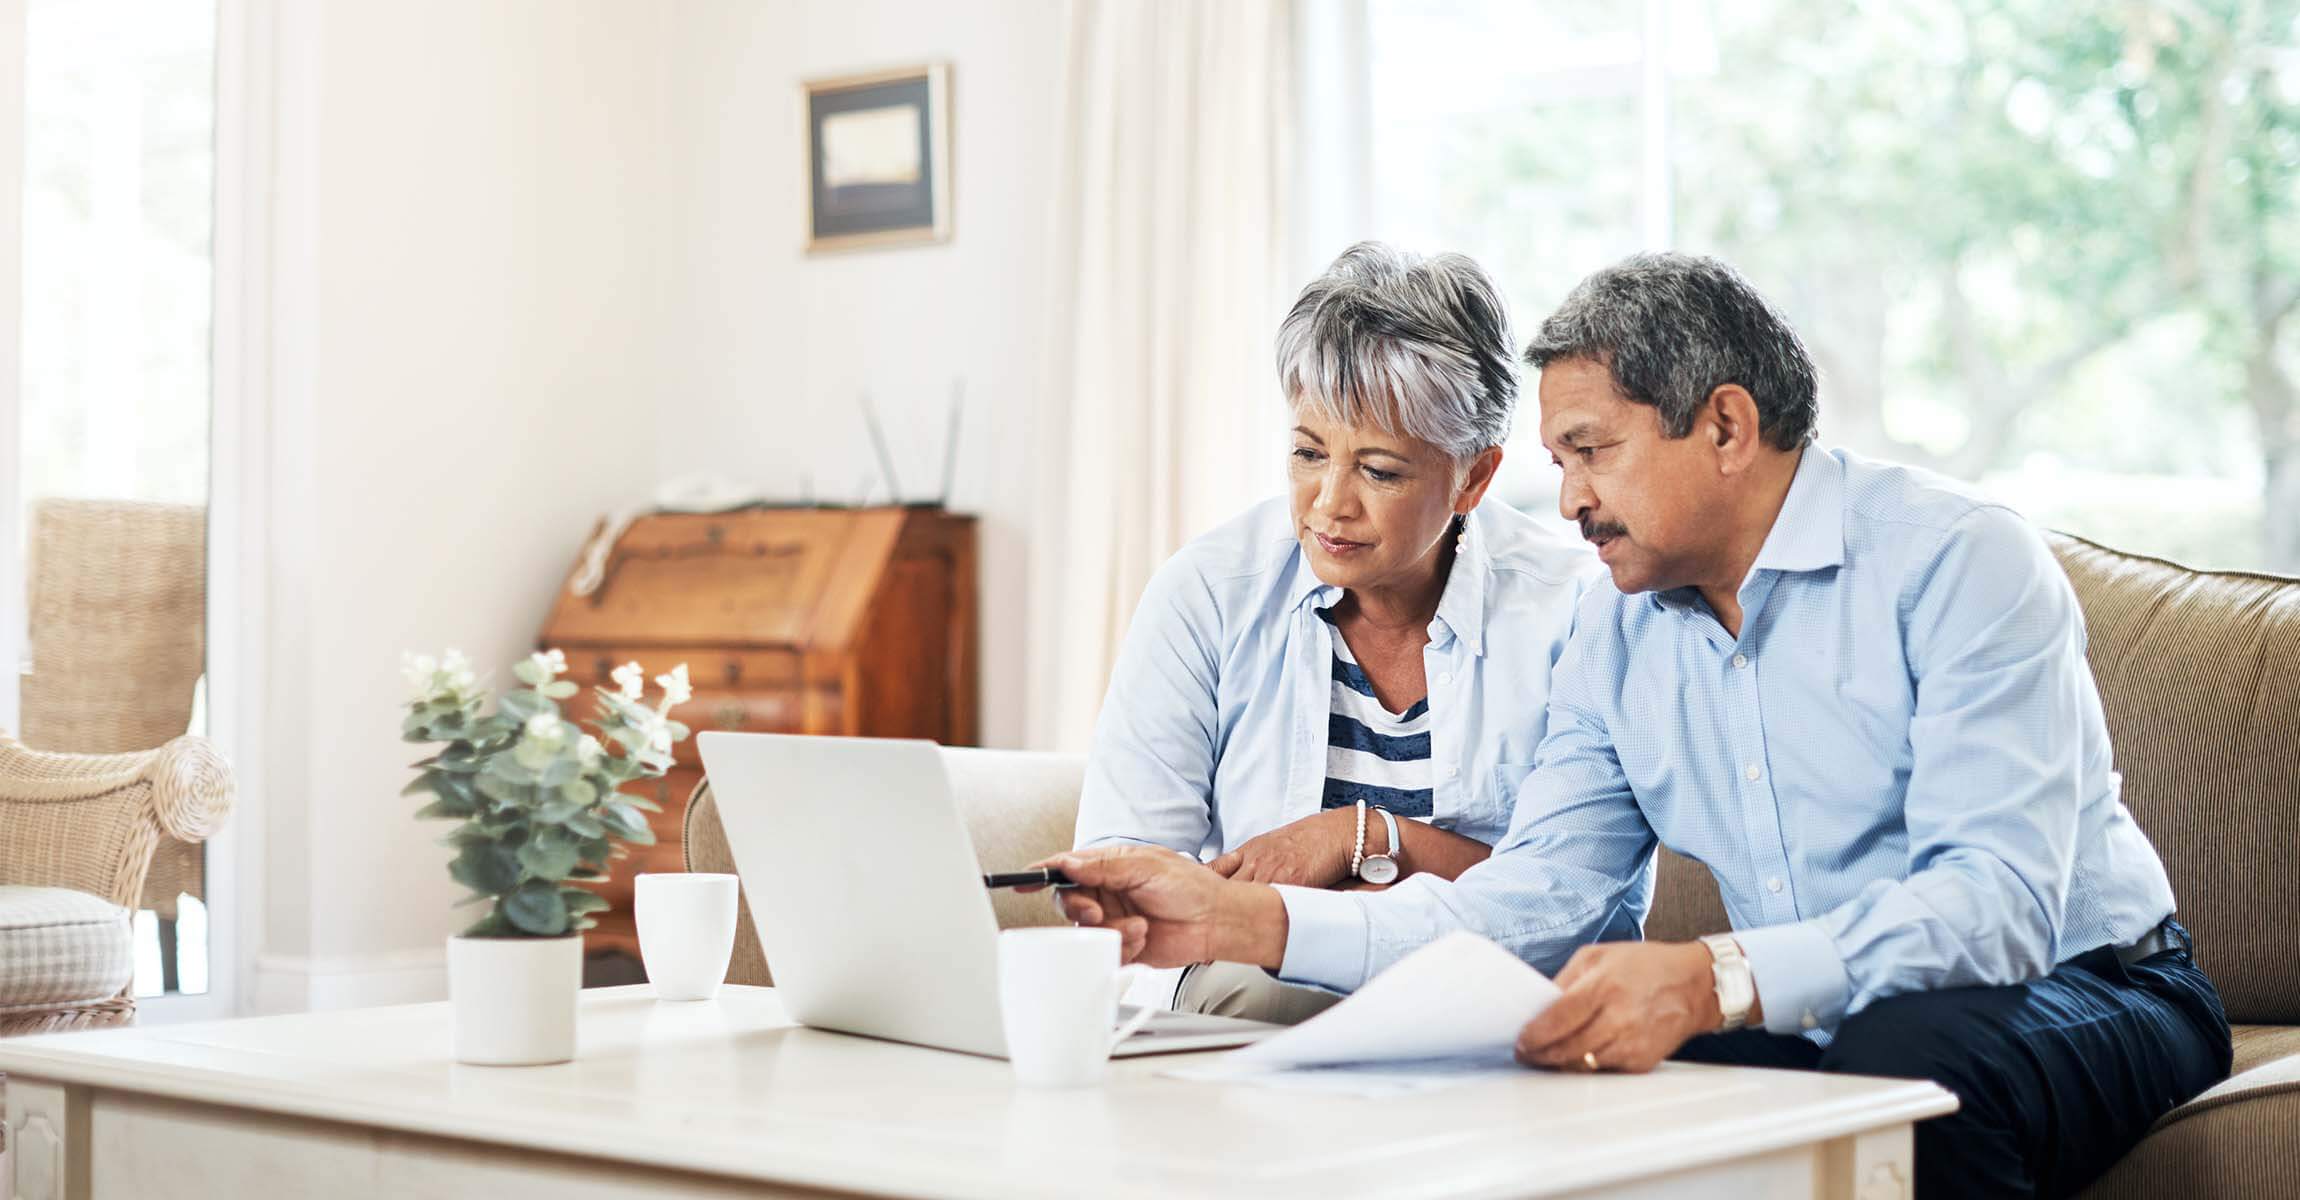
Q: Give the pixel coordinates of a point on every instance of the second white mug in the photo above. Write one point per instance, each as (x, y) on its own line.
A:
(686, 932)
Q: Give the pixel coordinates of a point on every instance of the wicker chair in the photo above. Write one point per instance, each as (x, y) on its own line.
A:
(118, 623)
(77, 834)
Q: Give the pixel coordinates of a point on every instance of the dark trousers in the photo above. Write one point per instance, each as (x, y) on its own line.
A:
(2055, 1079)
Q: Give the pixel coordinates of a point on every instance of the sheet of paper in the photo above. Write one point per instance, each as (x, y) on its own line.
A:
(1460, 998)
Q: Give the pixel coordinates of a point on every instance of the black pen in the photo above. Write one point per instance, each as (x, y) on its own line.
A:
(1042, 877)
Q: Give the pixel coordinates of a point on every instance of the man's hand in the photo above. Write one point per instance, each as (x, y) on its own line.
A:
(1311, 852)
(1169, 910)
(1627, 1005)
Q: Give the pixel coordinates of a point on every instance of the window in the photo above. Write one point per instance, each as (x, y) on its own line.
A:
(112, 407)
(2050, 248)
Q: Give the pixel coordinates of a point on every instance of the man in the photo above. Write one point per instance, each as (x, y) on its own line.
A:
(1859, 696)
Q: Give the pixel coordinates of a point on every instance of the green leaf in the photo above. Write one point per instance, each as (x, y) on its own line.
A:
(537, 908)
(560, 689)
(485, 867)
(551, 854)
(583, 900)
(525, 706)
(528, 672)
(586, 825)
(560, 770)
(582, 791)
(455, 807)
(628, 823)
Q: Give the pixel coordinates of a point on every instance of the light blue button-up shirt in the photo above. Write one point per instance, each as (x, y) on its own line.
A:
(1898, 773)
(1215, 727)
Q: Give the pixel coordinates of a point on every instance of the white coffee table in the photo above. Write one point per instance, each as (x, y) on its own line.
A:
(727, 1098)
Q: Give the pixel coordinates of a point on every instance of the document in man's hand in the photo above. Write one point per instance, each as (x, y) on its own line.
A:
(1461, 999)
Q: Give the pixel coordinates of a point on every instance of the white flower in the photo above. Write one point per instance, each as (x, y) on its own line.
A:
(419, 670)
(547, 731)
(632, 678)
(449, 679)
(676, 690)
(588, 750)
(553, 663)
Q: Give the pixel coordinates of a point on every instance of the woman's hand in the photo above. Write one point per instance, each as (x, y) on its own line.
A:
(1311, 852)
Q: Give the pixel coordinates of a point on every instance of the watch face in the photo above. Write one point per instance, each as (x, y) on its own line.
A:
(1379, 868)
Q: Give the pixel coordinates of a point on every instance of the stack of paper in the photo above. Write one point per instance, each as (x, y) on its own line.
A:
(1440, 1014)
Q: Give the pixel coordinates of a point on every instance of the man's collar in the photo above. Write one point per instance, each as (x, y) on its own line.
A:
(1809, 532)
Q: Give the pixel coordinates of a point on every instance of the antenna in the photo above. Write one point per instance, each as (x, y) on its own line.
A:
(950, 440)
(878, 443)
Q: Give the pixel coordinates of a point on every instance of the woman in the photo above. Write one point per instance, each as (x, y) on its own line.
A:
(1371, 654)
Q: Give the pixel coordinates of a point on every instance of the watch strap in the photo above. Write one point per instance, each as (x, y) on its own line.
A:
(1396, 850)
(1736, 986)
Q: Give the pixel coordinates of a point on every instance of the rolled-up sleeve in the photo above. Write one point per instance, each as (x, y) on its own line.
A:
(1150, 772)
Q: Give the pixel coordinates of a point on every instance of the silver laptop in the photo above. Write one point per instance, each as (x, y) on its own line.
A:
(869, 901)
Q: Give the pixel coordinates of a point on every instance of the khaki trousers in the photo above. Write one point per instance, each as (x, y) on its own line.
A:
(1225, 989)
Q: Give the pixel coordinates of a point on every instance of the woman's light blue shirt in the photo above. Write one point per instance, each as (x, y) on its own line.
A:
(1214, 729)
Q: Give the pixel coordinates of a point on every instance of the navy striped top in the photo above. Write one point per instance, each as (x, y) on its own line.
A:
(1373, 754)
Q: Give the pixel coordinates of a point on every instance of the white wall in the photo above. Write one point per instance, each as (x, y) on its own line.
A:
(470, 328)
(530, 257)
(778, 345)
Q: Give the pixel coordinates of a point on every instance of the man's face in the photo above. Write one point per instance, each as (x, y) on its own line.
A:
(1646, 500)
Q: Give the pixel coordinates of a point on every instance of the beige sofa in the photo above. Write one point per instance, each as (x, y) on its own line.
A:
(2200, 675)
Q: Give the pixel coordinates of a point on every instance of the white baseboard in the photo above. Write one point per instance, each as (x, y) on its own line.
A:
(296, 983)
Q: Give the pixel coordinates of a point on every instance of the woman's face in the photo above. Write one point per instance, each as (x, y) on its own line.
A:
(1370, 507)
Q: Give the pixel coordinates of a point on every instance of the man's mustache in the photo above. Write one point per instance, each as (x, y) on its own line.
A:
(1593, 531)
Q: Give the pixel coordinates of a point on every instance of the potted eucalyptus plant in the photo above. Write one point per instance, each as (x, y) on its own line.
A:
(539, 811)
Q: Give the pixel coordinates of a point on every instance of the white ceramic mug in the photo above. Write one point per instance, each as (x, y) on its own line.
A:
(1058, 993)
(686, 932)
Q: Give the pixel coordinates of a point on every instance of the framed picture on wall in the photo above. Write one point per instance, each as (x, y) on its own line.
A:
(878, 158)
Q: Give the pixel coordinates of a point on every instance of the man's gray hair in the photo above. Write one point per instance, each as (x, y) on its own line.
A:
(1672, 328)
(1409, 345)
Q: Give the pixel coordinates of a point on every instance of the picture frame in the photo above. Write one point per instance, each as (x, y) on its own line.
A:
(878, 158)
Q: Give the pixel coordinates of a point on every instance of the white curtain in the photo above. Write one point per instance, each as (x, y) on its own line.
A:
(1171, 267)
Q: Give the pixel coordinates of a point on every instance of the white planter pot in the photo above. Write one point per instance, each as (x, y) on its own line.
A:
(514, 999)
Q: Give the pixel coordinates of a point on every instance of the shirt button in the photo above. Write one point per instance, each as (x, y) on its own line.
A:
(1773, 885)
(1740, 660)
(1808, 1022)
(1452, 772)
(1446, 678)
(1753, 772)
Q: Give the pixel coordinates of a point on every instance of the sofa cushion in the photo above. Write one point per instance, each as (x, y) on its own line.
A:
(59, 946)
(2199, 673)
(2238, 1139)
(2258, 1045)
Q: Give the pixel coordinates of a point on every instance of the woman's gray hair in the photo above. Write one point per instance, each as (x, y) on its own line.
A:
(1411, 345)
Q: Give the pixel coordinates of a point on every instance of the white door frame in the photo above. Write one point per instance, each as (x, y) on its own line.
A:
(11, 356)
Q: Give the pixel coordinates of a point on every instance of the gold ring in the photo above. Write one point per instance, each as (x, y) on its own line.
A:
(1589, 1059)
